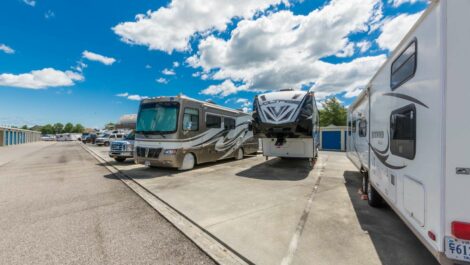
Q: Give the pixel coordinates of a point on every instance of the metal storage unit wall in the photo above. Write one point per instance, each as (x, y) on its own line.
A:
(14, 136)
(333, 138)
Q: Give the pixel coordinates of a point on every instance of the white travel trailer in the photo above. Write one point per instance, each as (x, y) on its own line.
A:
(181, 132)
(410, 131)
(287, 122)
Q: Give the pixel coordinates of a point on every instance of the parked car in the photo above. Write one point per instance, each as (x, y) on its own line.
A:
(121, 150)
(48, 137)
(90, 138)
(107, 138)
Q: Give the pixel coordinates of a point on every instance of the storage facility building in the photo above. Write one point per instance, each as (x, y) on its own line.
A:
(14, 136)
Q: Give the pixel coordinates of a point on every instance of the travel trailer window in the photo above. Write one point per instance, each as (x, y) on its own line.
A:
(229, 124)
(213, 121)
(158, 117)
(404, 66)
(191, 119)
(403, 132)
(362, 128)
(349, 127)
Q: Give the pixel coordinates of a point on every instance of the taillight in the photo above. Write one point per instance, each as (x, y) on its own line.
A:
(461, 230)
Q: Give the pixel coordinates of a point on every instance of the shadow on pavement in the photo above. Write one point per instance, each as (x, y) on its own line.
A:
(287, 169)
(393, 240)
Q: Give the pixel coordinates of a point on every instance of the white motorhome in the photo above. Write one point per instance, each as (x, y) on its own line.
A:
(181, 132)
(287, 122)
(409, 131)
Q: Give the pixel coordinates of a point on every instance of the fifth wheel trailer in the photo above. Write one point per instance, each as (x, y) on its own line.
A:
(287, 122)
(409, 131)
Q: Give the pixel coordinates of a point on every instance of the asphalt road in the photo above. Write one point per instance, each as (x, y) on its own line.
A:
(56, 207)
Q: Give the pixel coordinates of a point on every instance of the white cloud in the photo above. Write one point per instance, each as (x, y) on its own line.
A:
(168, 71)
(131, 97)
(176, 64)
(347, 51)
(98, 58)
(364, 45)
(148, 66)
(49, 14)
(30, 2)
(397, 3)
(293, 46)
(6, 49)
(39, 79)
(245, 103)
(171, 28)
(162, 80)
(394, 29)
(224, 89)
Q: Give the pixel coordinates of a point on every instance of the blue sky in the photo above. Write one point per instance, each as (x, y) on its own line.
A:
(90, 61)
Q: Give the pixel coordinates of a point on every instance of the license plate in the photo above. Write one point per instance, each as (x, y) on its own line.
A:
(457, 249)
(147, 163)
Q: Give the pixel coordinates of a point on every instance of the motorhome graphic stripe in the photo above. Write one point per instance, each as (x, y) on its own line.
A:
(383, 159)
(406, 97)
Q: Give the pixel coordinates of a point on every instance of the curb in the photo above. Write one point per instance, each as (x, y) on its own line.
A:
(210, 245)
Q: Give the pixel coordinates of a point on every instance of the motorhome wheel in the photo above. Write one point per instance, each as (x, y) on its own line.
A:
(188, 162)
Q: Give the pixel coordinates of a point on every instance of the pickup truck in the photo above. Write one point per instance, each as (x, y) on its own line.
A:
(121, 150)
(107, 138)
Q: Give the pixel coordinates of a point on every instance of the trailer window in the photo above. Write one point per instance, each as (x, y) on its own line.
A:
(404, 66)
(362, 128)
(349, 127)
(213, 121)
(403, 132)
(229, 124)
(191, 119)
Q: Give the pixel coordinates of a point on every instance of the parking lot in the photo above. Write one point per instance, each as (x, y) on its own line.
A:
(280, 211)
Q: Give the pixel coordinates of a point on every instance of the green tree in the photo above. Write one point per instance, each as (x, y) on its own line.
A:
(47, 129)
(58, 127)
(24, 127)
(68, 128)
(333, 113)
(78, 128)
(110, 126)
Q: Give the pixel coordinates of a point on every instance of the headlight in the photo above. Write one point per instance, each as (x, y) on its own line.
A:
(169, 152)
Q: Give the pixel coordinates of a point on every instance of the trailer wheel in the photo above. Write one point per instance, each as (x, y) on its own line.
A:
(120, 159)
(373, 197)
(106, 143)
(188, 162)
(240, 154)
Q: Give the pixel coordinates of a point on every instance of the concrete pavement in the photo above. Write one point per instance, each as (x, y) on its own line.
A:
(59, 206)
(281, 212)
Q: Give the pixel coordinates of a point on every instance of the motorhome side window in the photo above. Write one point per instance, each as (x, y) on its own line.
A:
(404, 66)
(362, 128)
(191, 119)
(403, 132)
(213, 121)
(229, 124)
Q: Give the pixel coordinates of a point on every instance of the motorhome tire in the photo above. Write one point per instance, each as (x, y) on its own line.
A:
(120, 159)
(188, 162)
(240, 154)
(106, 143)
(373, 197)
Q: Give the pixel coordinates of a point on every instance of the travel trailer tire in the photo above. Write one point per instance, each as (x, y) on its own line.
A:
(240, 154)
(373, 197)
(106, 143)
(120, 159)
(188, 162)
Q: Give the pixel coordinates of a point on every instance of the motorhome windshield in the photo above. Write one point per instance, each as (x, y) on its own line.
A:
(158, 117)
